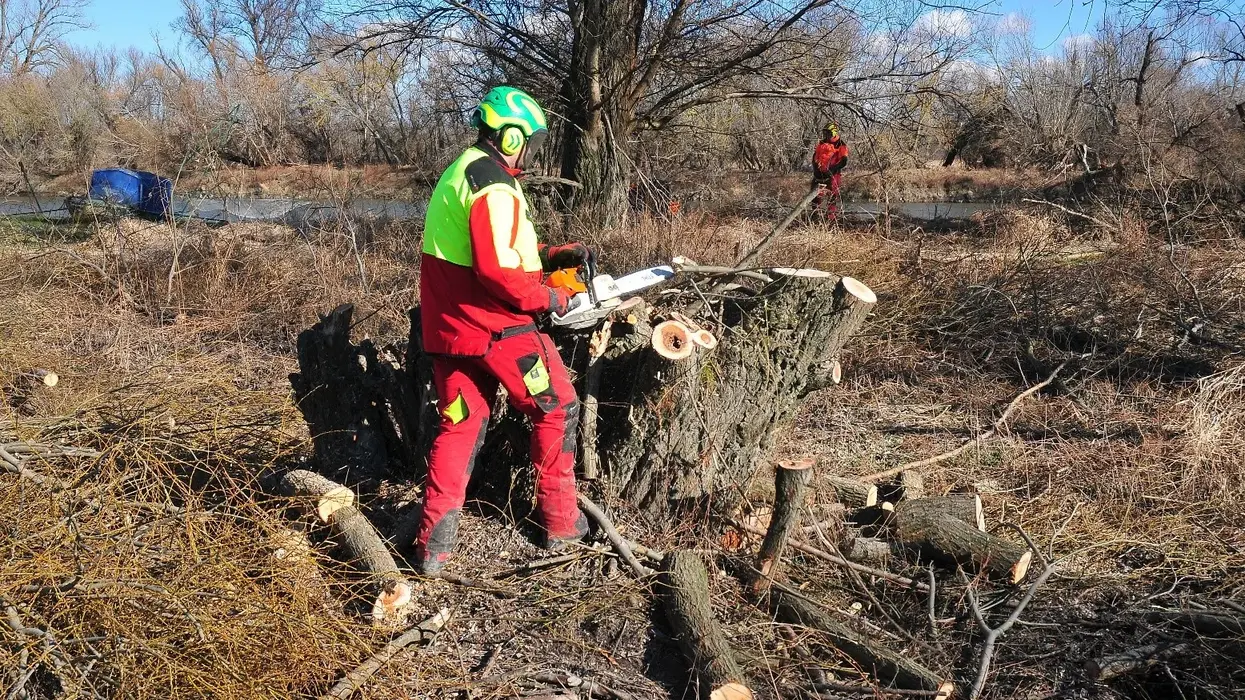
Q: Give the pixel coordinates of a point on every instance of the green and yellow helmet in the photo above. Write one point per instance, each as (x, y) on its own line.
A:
(832, 129)
(515, 118)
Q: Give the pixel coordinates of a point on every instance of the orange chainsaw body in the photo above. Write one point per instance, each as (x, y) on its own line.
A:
(568, 279)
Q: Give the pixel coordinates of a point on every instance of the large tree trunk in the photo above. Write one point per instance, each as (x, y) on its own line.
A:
(603, 51)
(676, 433)
(672, 434)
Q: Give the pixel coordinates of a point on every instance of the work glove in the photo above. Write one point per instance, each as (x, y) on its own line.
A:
(560, 257)
(563, 302)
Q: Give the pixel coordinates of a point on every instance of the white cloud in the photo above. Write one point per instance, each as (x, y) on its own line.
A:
(1015, 23)
(1078, 42)
(954, 23)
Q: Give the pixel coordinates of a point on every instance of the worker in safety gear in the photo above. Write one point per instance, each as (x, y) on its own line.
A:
(481, 287)
(829, 159)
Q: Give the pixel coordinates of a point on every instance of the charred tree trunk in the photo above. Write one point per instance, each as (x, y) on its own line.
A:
(675, 433)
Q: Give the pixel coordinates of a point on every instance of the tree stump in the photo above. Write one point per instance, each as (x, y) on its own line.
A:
(675, 432)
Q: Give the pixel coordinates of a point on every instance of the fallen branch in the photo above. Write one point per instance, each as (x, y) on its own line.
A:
(998, 425)
(993, 633)
(358, 539)
(620, 545)
(826, 556)
(1072, 212)
(425, 631)
(790, 481)
(1112, 666)
(941, 536)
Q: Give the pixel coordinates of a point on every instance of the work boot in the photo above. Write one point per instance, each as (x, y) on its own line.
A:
(557, 544)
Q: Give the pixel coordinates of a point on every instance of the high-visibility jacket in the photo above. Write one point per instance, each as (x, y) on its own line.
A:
(480, 272)
(829, 158)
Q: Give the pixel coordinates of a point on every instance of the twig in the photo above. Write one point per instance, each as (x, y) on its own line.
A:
(1073, 212)
(929, 608)
(993, 633)
(354, 680)
(873, 690)
(826, 556)
(998, 425)
(752, 255)
(620, 545)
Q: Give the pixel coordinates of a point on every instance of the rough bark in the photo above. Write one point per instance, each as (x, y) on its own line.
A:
(961, 506)
(852, 493)
(942, 537)
(358, 541)
(889, 667)
(675, 433)
(1210, 623)
(869, 550)
(790, 481)
(687, 605)
(319, 495)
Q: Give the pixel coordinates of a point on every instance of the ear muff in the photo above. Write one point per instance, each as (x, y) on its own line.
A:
(510, 140)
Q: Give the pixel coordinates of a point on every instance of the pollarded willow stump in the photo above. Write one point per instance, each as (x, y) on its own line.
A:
(674, 433)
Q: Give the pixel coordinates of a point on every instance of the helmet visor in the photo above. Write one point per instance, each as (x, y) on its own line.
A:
(537, 140)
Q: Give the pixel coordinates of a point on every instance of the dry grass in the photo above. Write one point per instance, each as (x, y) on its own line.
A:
(1127, 470)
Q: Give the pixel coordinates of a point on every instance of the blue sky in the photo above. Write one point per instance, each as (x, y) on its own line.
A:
(125, 23)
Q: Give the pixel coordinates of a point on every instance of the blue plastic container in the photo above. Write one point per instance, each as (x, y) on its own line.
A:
(143, 192)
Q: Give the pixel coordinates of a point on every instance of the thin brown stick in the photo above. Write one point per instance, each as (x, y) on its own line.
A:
(826, 556)
(425, 631)
(620, 545)
(998, 425)
(790, 481)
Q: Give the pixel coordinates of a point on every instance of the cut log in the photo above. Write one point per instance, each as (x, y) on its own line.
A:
(704, 339)
(869, 550)
(961, 506)
(706, 647)
(790, 481)
(321, 496)
(362, 547)
(1210, 623)
(673, 340)
(44, 376)
(889, 667)
(1112, 666)
(852, 493)
(944, 538)
(912, 487)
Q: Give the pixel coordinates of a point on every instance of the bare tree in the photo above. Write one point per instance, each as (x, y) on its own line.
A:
(31, 32)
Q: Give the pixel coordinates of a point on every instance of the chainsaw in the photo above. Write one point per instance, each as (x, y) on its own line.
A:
(595, 296)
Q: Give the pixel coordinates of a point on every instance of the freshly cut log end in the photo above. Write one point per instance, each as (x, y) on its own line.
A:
(705, 339)
(945, 691)
(852, 493)
(48, 377)
(836, 372)
(858, 289)
(731, 691)
(673, 340)
(332, 502)
(392, 603)
(1021, 568)
(330, 497)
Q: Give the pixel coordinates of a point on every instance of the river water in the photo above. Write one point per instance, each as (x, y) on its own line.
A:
(300, 213)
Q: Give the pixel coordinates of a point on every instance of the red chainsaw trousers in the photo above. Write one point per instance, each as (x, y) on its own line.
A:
(528, 365)
(827, 200)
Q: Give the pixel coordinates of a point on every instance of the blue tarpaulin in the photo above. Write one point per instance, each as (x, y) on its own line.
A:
(144, 192)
